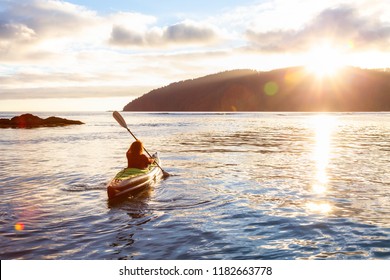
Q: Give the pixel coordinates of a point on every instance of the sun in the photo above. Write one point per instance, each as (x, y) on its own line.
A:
(324, 60)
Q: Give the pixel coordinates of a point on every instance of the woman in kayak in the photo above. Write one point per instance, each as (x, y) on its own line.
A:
(136, 158)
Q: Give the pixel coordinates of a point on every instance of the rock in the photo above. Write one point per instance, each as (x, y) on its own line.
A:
(31, 121)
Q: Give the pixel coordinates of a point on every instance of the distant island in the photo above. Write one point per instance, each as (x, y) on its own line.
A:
(31, 121)
(290, 89)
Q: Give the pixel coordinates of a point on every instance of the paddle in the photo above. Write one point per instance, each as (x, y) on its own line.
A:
(118, 117)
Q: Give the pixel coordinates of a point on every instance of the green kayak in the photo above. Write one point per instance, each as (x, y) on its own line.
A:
(129, 181)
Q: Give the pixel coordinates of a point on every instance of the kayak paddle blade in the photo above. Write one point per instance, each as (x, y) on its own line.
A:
(118, 117)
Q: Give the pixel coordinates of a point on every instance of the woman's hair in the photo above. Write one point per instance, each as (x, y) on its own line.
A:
(136, 147)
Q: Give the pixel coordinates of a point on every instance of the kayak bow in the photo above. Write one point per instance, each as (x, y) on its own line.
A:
(130, 181)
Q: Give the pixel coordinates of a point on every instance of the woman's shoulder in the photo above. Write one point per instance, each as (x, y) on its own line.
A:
(144, 156)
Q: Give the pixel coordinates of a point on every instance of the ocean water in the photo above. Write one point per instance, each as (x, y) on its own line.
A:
(244, 186)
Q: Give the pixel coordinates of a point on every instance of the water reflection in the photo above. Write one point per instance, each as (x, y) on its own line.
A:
(323, 126)
(319, 207)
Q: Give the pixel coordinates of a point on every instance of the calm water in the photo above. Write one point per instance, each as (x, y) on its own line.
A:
(246, 186)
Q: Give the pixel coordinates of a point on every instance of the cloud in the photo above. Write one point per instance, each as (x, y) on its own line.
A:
(73, 92)
(123, 37)
(19, 32)
(47, 17)
(43, 30)
(342, 25)
(188, 32)
(34, 29)
(181, 33)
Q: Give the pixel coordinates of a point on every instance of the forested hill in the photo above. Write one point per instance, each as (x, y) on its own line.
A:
(289, 89)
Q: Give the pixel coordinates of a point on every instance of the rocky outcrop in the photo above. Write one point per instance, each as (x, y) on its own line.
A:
(31, 121)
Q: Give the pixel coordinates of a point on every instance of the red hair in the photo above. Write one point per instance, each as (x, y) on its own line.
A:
(136, 148)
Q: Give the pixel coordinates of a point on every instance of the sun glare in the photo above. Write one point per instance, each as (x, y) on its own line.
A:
(324, 60)
(323, 126)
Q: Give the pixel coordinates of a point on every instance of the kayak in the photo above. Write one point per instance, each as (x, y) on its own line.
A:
(130, 181)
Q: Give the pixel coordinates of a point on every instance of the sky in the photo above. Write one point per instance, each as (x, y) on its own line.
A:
(99, 55)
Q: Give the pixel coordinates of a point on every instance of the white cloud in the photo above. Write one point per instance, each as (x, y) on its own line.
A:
(183, 33)
(343, 25)
(48, 17)
(37, 30)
